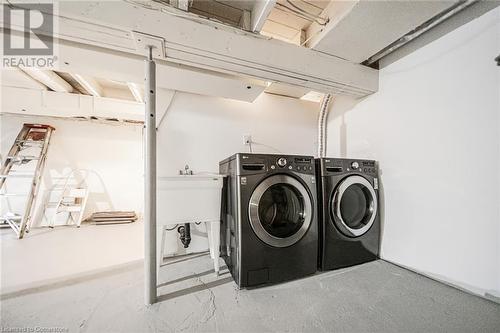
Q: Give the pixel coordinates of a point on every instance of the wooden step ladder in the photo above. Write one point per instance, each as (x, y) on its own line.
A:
(34, 136)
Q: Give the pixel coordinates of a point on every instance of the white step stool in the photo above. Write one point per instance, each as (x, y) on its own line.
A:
(72, 202)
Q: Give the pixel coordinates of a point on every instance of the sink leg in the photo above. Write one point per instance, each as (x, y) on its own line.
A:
(215, 229)
(210, 239)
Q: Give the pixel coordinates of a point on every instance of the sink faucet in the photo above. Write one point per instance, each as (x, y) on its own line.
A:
(186, 171)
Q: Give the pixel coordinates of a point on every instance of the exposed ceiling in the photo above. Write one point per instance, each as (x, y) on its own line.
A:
(359, 31)
(229, 12)
(354, 30)
(238, 64)
(285, 20)
(288, 19)
(344, 32)
(71, 83)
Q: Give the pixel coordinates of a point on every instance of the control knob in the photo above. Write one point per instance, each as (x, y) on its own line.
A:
(282, 161)
(354, 165)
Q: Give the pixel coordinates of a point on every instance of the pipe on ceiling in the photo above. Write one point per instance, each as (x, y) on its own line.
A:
(426, 26)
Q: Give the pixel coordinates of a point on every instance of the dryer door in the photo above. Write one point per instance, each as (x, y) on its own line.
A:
(354, 206)
(280, 210)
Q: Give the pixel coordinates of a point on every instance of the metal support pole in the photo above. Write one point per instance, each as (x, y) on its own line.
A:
(150, 181)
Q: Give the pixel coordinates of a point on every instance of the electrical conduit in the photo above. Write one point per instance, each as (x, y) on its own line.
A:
(322, 118)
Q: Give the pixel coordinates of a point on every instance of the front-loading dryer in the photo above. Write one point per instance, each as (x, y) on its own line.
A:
(269, 229)
(349, 222)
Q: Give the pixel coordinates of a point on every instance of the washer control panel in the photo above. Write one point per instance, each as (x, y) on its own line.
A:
(297, 163)
(332, 166)
(257, 163)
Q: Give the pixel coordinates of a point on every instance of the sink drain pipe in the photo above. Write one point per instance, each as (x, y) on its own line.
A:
(322, 119)
(185, 234)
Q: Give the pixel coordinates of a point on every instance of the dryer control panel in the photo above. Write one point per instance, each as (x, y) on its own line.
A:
(256, 163)
(333, 166)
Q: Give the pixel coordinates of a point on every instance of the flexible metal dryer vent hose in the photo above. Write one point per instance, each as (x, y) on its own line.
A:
(322, 118)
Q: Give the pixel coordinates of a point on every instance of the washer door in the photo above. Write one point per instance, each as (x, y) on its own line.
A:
(280, 210)
(354, 206)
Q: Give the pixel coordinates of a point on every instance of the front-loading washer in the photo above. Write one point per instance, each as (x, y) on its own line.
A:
(269, 229)
(349, 219)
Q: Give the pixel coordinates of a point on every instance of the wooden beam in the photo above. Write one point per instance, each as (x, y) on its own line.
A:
(15, 77)
(50, 103)
(94, 61)
(260, 13)
(136, 91)
(48, 78)
(89, 84)
(190, 40)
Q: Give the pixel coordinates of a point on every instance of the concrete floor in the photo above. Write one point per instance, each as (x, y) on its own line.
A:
(373, 297)
(45, 255)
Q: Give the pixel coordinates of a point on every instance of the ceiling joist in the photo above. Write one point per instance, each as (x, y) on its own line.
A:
(260, 13)
(49, 79)
(89, 84)
(136, 91)
(211, 46)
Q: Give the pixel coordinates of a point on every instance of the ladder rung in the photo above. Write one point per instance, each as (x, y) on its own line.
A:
(41, 142)
(19, 175)
(66, 209)
(55, 203)
(13, 225)
(33, 144)
(23, 157)
(13, 195)
(11, 218)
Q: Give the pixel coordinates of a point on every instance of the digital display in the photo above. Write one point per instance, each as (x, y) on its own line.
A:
(302, 160)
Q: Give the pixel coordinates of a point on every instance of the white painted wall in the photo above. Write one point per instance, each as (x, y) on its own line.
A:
(111, 153)
(201, 131)
(434, 126)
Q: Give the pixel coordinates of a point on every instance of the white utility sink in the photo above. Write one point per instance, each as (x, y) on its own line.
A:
(189, 199)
